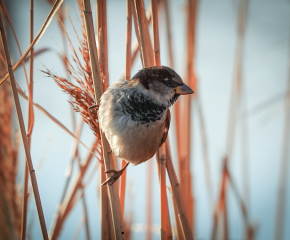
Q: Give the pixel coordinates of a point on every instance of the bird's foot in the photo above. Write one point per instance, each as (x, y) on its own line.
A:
(117, 173)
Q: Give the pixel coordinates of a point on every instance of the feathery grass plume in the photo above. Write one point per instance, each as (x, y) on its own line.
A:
(10, 200)
(82, 91)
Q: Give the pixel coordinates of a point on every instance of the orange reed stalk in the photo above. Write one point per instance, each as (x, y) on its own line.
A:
(23, 133)
(177, 228)
(171, 64)
(140, 29)
(128, 76)
(106, 221)
(30, 128)
(185, 128)
(106, 214)
(168, 31)
(178, 197)
(102, 28)
(143, 33)
(107, 153)
(165, 229)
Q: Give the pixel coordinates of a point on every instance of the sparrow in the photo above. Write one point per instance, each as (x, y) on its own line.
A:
(135, 116)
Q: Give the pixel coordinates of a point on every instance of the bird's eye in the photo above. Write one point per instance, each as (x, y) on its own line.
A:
(170, 83)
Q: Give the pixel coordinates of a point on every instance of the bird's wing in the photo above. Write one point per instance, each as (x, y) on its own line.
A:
(166, 128)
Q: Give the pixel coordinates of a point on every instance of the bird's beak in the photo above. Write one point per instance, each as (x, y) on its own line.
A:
(183, 89)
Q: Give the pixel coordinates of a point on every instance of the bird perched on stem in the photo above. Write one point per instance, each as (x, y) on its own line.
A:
(135, 116)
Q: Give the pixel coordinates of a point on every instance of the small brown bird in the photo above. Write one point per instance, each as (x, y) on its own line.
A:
(135, 116)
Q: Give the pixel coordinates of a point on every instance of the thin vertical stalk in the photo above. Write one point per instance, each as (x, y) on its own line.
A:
(122, 189)
(23, 132)
(128, 40)
(128, 76)
(142, 29)
(107, 153)
(165, 230)
(30, 128)
(168, 31)
(178, 230)
(106, 214)
(156, 44)
(163, 199)
(176, 106)
(186, 122)
(140, 33)
(102, 29)
(148, 44)
(106, 226)
(178, 197)
(104, 207)
(149, 200)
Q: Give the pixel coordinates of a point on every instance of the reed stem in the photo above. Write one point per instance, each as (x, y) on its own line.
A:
(30, 128)
(23, 133)
(165, 230)
(107, 153)
(127, 76)
(178, 197)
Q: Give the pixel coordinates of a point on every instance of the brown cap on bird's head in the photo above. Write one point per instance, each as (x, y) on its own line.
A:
(164, 75)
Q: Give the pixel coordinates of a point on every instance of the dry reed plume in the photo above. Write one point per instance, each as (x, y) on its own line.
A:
(82, 91)
(10, 201)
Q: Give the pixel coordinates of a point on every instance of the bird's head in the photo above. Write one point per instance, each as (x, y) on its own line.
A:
(160, 83)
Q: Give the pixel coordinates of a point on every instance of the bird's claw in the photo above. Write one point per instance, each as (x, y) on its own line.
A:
(116, 174)
(111, 180)
(94, 106)
(111, 171)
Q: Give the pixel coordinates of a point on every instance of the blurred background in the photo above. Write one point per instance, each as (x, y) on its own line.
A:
(257, 61)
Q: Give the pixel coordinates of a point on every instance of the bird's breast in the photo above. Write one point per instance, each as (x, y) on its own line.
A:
(133, 124)
(134, 141)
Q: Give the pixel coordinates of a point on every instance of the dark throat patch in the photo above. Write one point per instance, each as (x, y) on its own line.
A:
(142, 109)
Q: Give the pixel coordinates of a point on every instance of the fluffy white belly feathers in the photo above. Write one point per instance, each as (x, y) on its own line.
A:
(133, 140)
